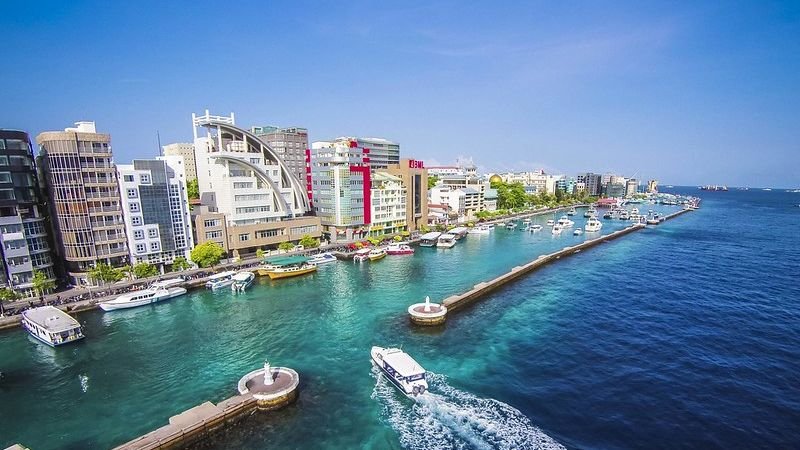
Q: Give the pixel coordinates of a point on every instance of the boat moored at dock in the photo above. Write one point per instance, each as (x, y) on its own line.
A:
(376, 254)
(322, 258)
(446, 240)
(220, 280)
(401, 370)
(51, 325)
(591, 212)
(459, 232)
(593, 225)
(361, 255)
(242, 280)
(480, 229)
(535, 227)
(288, 266)
(156, 292)
(400, 248)
(429, 239)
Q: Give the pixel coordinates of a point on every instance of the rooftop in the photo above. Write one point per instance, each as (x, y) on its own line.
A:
(403, 364)
(51, 318)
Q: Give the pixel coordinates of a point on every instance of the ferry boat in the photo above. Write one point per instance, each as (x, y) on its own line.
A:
(220, 280)
(156, 292)
(565, 222)
(322, 258)
(593, 225)
(376, 254)
(51, 325)
(571, 211)
(288, 266)
(242, 280)
(591, 212)
(556, 229)
(429, 239)
(459, 232)
(401, 370)
(446, 240)
(400, 248)
(480, 229)
(361, 255)
(535, 227)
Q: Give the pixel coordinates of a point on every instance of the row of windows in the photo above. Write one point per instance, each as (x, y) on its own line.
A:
(213, 234)
(210, 223)
(151, 233)
(251, 197)
(252, 209)
(143, 178)
(15, 160)
(154, 247)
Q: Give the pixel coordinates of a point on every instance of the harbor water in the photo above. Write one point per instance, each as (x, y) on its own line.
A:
(681, 335)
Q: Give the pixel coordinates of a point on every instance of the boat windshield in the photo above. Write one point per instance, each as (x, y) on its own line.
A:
(415, 377)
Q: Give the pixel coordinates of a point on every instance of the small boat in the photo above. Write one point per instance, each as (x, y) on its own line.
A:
(490, 226)
(376, 254)
(459, 232)
(156, 292)
(429, 239)
(51, 325)
(480, 229)
(220, 280)
(571, 211)
(608, 215)
(322, 258)
(361, 255)
(446, 240)
(242, 280)
(551, 222)
(623, 215)
(511, 225)
(565, 222)
(593, 225)
(400, 248)
(591, 212)
(635, 212)
(577, 232)
(291, 270)
(526, 222)
(401, 370)
(556, 229)
(535, 227)
(653, 218)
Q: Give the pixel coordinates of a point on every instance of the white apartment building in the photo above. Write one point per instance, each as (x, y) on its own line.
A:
(465, 202)
(156, 210)
(388, 203)
(186, 151)
(379, 152)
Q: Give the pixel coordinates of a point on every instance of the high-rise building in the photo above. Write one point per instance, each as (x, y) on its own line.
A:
(652, 186)
(290, 144)
(242, 178)
(24, 244)
(592, 182)
(631, 187)
(414, 177)
(388, 204)
(341, 188)
(84, 198)
(186, 151)
(156, 209)
(380, 152)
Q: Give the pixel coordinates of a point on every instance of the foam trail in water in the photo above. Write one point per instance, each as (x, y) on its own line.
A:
(84, 382)
(447, 418)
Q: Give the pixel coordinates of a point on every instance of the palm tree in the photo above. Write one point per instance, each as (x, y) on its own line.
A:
(42, 284)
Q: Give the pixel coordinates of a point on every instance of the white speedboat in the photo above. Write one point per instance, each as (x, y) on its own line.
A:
(635, 212)
(565, 222)
(551, 222)
(593, 225)
(511, 225)
(490, 227)
(446, 240)
(591, 212)
(156, 292)
(51, 325)
(526, 222)
(220, 280)
(577, 232)
(624, 215)
(480, 229)
(571, 211)
(242, 280)
(400, 369)
(322, 258)
(361, 255)
(556, 229)
(535, 227)
(399, 248)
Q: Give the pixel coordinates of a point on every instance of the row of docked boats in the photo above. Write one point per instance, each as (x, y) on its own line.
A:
(450, 238)
(374, 254)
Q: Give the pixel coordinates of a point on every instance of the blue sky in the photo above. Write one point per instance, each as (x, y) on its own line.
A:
(687, 92)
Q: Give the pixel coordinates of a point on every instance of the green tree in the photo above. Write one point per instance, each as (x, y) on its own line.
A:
(432, 180)
(104, 273)
(193, 189)
(285, 246)
(260, 253)
(127, 271)
(41, 283)
(207, 254)
(309, 242)
(145, 270)
(398, 238)
(374, 240)
(180, 264)
(7, 295)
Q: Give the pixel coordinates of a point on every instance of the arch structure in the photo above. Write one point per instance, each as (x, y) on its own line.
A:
(231, 141)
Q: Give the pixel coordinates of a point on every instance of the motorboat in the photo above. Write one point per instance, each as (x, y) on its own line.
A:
(565, 222)
(635, 212)
(577, 232)
(526, 222)
(322, 258)
(593, 225)
(446, 240)
(591, 212)
(290, 266)
(51, 325)
(376, 254)
(291, 270)
(361, 255)
(551, 222)
(624, 215)
(480, 229)
(571, 211)
(429, 239)
(156, 292)
(220, 280)
(556, 229)
(242, 280)
(535, 227)
(400, 248)
(400, 369)
(511, 225)
(490, 226)
(653, 218)
(608, 215)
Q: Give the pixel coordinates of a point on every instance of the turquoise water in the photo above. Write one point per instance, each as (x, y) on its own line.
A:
(517, 369)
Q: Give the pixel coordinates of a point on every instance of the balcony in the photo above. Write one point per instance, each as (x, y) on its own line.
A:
(110, 195)
(104, 209)
(100, 224)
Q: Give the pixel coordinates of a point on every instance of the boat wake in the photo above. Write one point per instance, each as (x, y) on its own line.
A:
(447, 418)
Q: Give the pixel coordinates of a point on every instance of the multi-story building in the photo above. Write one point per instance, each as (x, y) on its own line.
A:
(290, 144)
(473, 187)
(414, 177)
(186, 151)
(341, 188)
(631, 187)
(592, 182)
(243, 179)
(156, 210)
(24, 244)
(652, 186)
(616, 190)
(388, 204)
(464, 202)
(84, 198)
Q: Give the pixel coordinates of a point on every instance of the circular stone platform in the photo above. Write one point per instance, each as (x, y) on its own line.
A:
(427, 313)
(280, 393)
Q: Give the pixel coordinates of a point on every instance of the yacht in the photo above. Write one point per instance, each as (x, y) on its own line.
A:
(511, 225)
(361, 255)
(242, 280)
(635, 212)
(571, 211)
(322, 258)
(577, 232)
(220, 280)
(400, 369)
(376, 254)
(551, 222)
(593, 225)
(156, 292)
(591, 212)
(565, 222)
(623, 215)
(51, 325)
(556, 229)
(446, 240)
(399, 248)
(535, 227)
(480, 229)
(429, 239)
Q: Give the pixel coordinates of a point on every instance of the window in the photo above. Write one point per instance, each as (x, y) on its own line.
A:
(242, 185)
(255, 160)
(138, 234)
(132, 193)
(5, 177)
(7, 194)
(154, 246)
(141, 248)
(244, 237)
(152, 233)
(144, 178)
(128, 178)
(133, 206)
(213, 234)
(3, 159)
(209, 223)
(136, 220)
(267, 233)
